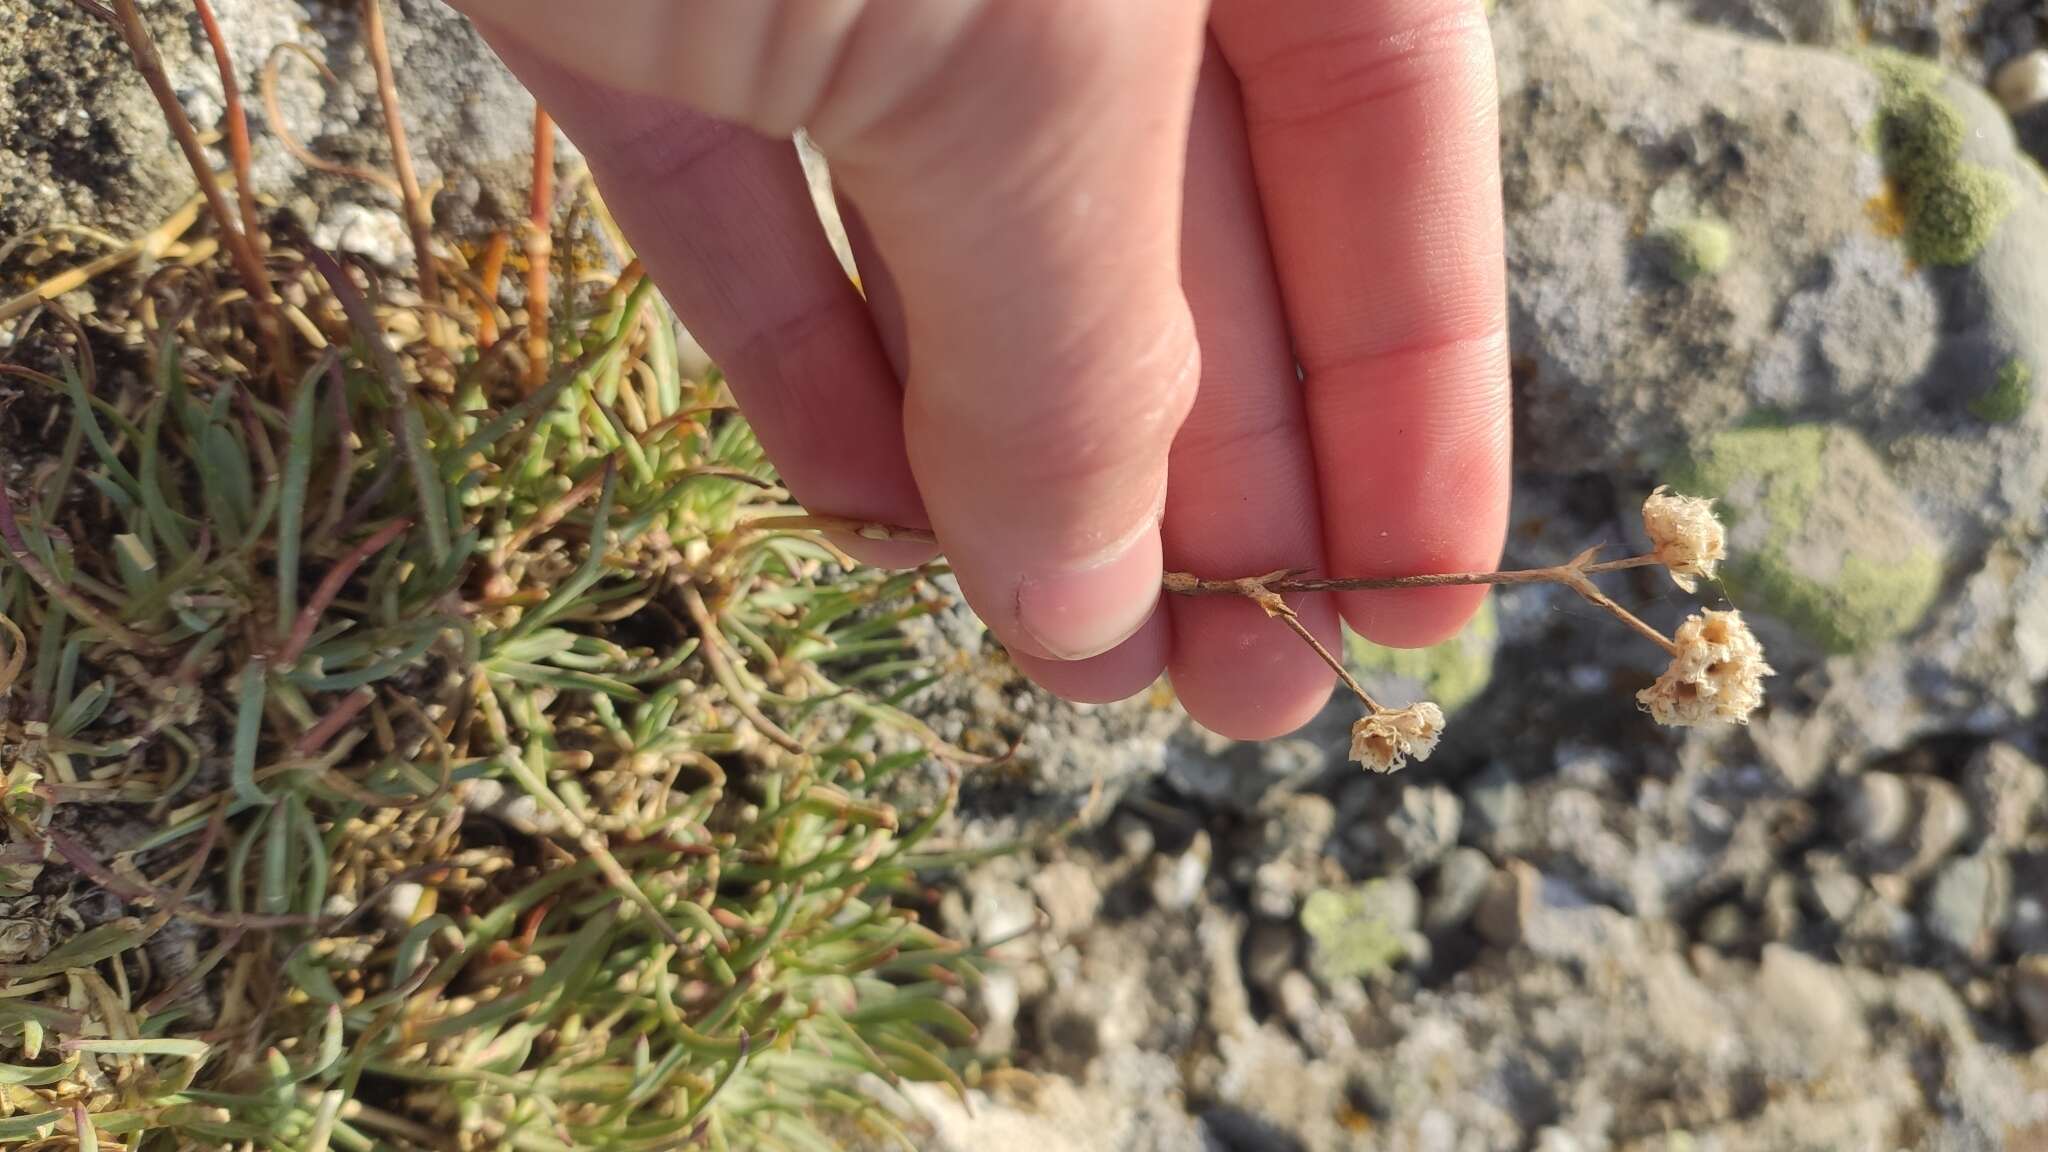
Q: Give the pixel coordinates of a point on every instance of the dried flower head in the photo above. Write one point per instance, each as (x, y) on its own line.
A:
(1687, 536)
(1385, 739)
(1717, 674)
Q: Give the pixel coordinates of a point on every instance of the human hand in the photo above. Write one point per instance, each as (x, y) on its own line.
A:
(1051, 202)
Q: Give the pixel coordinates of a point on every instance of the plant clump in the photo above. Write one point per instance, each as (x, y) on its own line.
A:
(1951, 206)
(2010, 395)
(418, 735)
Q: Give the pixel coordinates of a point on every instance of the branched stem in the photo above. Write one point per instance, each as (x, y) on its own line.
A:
(1266, 591)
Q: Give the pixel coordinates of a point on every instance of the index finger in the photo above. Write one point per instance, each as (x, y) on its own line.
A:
(1374, 137)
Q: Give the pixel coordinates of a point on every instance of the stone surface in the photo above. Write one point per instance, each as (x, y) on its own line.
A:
(81, 140)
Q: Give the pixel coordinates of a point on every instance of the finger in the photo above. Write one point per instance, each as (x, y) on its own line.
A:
(723, 219)
(1118, 674)
(1243, 497)
(1374, 140)
(1033, 237)
(885, 301)
(1121, 672)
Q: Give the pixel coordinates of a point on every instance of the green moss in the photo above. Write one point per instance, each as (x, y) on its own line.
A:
(1786, 457)
(1355, 932)
(1952, 207)
(1822, 539)
(1452, 673)
(1692, 248)
(1950, 221)
(2009, 396)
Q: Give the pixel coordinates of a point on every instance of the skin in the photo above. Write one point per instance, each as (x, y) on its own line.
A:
(1096, 241)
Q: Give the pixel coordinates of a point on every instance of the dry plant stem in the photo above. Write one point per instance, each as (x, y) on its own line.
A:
(280, 129)
(416, 217)
(330, 587)
(1299, 629)
(241, 250)
(237, 123)
(715, 658)
(150, 245)
(540, 211)
(1287, 580)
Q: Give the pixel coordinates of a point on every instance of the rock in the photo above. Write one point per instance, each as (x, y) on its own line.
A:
(1067, 891)
(1240, 777)
(2027, 930)
(1505, 911)
(1287, 860)
(1133, 1104)
(1450, 674)
(998, 998)
(1221, 937)
(2030, 993)
(1969, 902)
(1270, 950)
(1360, 932)
(1836, 892)
(2009, 792)
(2021, 83)
(1461, 882)
(1827, 23)
(1177, 881)
(1856, 383)
(1819, 534)
(1000, 909)
(1423, 826)
(377, 234)
(1878, 808)
(1904, 824)
(82, 141)
(1494, 800)
(1804, 1014)
(1322, 1031)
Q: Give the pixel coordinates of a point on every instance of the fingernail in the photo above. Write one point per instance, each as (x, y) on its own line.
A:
(1086, 610)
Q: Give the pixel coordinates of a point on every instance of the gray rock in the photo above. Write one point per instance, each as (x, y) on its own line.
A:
(1821, 338)
(1239, 777)
(1423, 826)
(1904, 824)
(1969, 903)
(1287, 861)
(1836, 892)
(1067, 891)
(1460, 883)
(1494, 800)
(1878, 809)
(1271, 949)
(1826, 23)
(1176, 881)
(2021, 83)
(2009, 792)
(2027, 931)
(1805, 1012)
(82, 141)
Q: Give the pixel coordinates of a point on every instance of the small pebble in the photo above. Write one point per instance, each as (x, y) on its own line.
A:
(2022, 82)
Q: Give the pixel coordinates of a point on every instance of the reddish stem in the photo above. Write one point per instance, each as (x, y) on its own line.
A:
(237, 122)
(330, 587)
(417, 218)
(540, 211)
